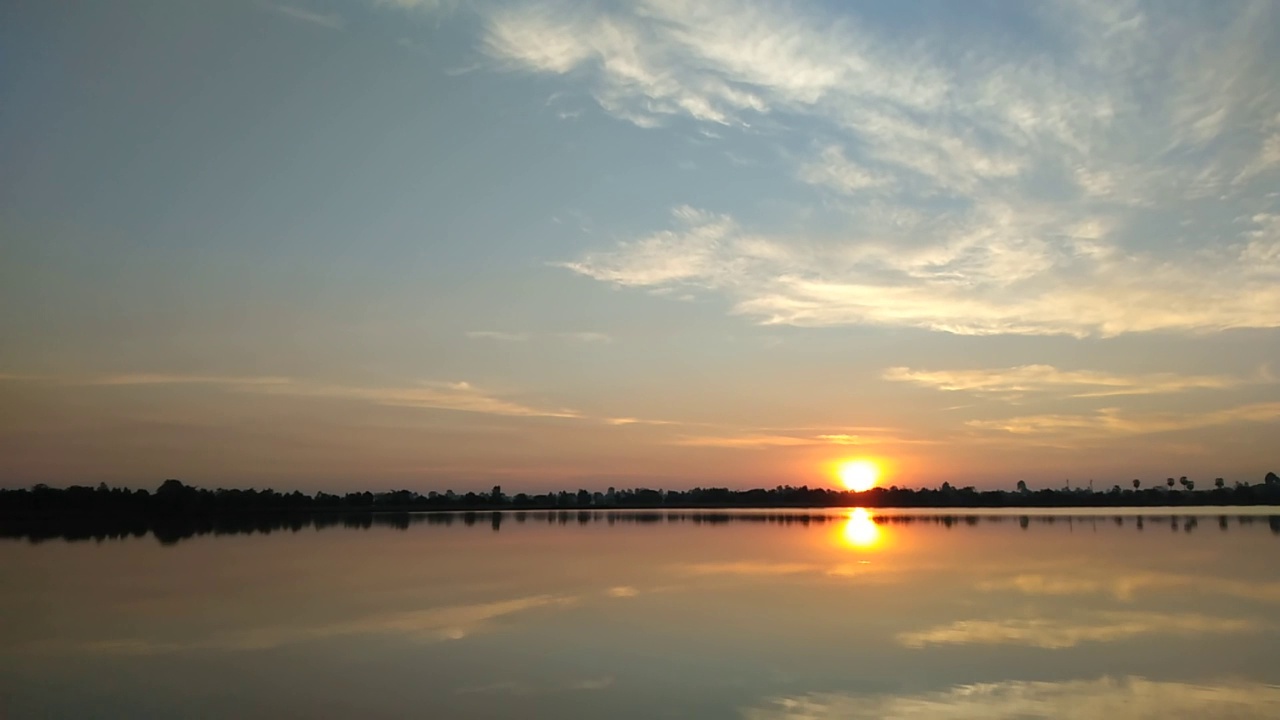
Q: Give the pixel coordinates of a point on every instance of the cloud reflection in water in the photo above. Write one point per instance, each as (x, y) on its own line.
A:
(1115, 699)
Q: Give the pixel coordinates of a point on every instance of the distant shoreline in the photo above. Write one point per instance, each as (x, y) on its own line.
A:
(173, 498)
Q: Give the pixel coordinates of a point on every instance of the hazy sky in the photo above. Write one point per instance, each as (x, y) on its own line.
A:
(371, 243)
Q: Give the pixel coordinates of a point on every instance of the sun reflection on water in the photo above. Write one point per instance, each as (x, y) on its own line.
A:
(861, 531)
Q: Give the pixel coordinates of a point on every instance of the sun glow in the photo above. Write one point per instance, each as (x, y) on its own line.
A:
(860, 530)
(859, 475)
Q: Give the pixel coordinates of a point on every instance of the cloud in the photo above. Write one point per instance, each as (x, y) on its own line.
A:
(762, 438)
(984, 279)
(747, 441)
(638, 421)
(512, 687)
(989, 187)
(19, 377)
(175, 379)
(332, 21)
(1057, 633)
(588, 337)
(832, 169)
(514, 337)
(1130, 698)
(496, 335)
(421, 5)
(1111, 422)
(1046, 378)
(459, 396)
(622, 591)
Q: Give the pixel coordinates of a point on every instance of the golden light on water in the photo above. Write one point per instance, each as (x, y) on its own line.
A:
(859, 475)
(860, 530)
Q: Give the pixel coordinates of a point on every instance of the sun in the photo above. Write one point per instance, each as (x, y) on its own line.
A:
(859, 475)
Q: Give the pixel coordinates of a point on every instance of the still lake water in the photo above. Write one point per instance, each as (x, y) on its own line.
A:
(681, 614)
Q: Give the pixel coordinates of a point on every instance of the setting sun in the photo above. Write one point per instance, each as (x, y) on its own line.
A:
(859, 475)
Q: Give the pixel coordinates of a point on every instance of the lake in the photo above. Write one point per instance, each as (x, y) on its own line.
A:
(692, 614)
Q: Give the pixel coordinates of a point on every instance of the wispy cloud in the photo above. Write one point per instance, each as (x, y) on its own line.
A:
(1120, 699)
(332, 21)
(989, 189)
(460, 396)
(587, 337)
(638, 421)
(497, 335)
(1056, 633)
(515, 687)
(598, 338)
(1049, 379)
(177, 379)
(988, 279)
(746, 441)
(437, 395)
(1112, 422)
(750, 441)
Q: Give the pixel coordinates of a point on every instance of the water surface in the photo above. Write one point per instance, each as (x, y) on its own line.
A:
(681, 614)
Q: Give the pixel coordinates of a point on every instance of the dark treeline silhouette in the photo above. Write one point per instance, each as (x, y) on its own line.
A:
(174, 498)
(170, 529)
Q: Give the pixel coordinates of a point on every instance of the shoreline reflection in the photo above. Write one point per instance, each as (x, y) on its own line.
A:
(861, 528)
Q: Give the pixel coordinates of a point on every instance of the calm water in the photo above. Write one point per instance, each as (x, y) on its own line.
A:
(1097, 616)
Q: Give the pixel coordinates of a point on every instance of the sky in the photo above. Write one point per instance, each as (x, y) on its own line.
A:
(358, 244)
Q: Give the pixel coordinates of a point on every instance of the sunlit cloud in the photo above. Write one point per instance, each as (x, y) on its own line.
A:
(622, 591)
(1049, 379)
(460, 396)
(637, 421)
(1115, 422)
(1056, 633)
(989, 279)
(747, 441)
(1119, 699)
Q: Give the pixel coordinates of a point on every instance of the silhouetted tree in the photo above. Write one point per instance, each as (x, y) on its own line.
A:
(1137, 483)
(1219, 483)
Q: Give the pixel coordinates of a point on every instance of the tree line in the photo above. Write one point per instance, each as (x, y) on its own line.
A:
(174, 497)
